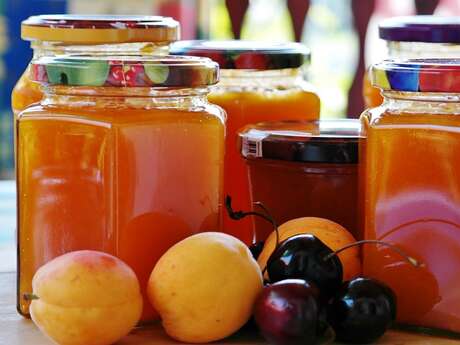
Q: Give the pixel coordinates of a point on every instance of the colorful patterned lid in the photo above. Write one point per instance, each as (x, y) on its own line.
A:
(99, 29)
(324, 141)
(130, 71)
(246, 54)
(425, 28)
(417, 75)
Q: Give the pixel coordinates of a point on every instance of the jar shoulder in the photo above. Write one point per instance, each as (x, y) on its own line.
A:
(203, 112)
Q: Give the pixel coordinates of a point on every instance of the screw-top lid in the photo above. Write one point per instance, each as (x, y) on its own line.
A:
(430, 29)
(417, 75)
(246, 54)
(131, 71)
(100, 29)
(324, 141)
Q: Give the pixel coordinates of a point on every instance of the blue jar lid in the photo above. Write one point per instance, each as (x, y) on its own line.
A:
(417, 75)
(424, 28)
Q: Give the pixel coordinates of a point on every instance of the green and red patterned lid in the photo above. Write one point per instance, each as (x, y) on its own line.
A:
(251, 55)
(418, 75)
(131, 71)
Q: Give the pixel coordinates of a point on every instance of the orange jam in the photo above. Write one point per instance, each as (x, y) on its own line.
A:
(303, 169)
(411, 189)
(128, 170)
(422, 36)
(52, 35)
(259, 82)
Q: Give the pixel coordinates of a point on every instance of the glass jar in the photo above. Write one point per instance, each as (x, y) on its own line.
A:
(259, 82)
(128, 165)
(303, 169)
(51, 35)
(411, 188)
(423, 36)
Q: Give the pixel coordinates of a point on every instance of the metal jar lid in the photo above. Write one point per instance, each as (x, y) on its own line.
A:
(423, 28)
(129, 71)
(251, 55)
(100, 29)
(417, 75)
(324, 141)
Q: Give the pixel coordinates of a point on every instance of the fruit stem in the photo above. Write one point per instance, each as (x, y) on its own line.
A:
(237, 215)
(30, 296)
(414, 262)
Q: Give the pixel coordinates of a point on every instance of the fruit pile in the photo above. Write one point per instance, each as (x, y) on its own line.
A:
(209, 285)
(305, 299)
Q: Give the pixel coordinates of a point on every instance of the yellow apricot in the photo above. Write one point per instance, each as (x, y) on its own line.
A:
(204, 287)
(85, 298)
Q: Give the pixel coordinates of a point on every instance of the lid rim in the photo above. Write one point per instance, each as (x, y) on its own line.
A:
(302, 141)
(247, 55)
(139, 71)
(432, 75)
(100, 29)
(421, 28)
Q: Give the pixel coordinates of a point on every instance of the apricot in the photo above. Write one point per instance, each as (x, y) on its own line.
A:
(204, 287)
(330, 233)
(85, 298)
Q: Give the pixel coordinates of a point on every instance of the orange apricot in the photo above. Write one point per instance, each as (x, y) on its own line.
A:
(330, 233)
(85, 298)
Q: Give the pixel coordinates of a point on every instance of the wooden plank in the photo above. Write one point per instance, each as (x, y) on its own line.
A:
(15, 330)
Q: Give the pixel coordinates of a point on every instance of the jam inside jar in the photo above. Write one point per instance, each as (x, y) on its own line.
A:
(259, 82)
(303, 169)
(127, 167)
(51, 35)
(422, 36)
(411, 188)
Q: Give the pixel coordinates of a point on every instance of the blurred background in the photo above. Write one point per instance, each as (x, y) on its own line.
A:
(342, 35)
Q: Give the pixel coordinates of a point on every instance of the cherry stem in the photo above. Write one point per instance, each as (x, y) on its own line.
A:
(237, 215)
(398, 250)
(30, 296)
(272, 221)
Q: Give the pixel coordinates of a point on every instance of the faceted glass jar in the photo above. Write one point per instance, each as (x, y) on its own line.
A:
(411, 189)
(259, 82)
(128, 170)
(421, 36)
(51, 35)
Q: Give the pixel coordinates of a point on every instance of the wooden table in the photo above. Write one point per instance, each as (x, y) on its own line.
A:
(15, 330)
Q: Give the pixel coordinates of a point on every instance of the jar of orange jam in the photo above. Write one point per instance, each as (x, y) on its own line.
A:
(421, 36)
(411, 188)
(128, 165)
(259, 82)
(52, 35)
(303, 169)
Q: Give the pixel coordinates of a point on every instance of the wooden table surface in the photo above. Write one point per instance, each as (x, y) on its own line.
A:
(15, 330)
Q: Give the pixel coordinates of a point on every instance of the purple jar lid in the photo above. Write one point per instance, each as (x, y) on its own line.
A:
(430, 29)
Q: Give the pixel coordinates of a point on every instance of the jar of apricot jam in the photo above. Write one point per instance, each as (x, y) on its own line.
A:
(411, 188)
(52, 35)
(303, 169)
(421, 36)
(128, 165)
(259, 82)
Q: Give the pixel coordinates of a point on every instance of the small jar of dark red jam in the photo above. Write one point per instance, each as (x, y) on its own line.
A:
(303, 169)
